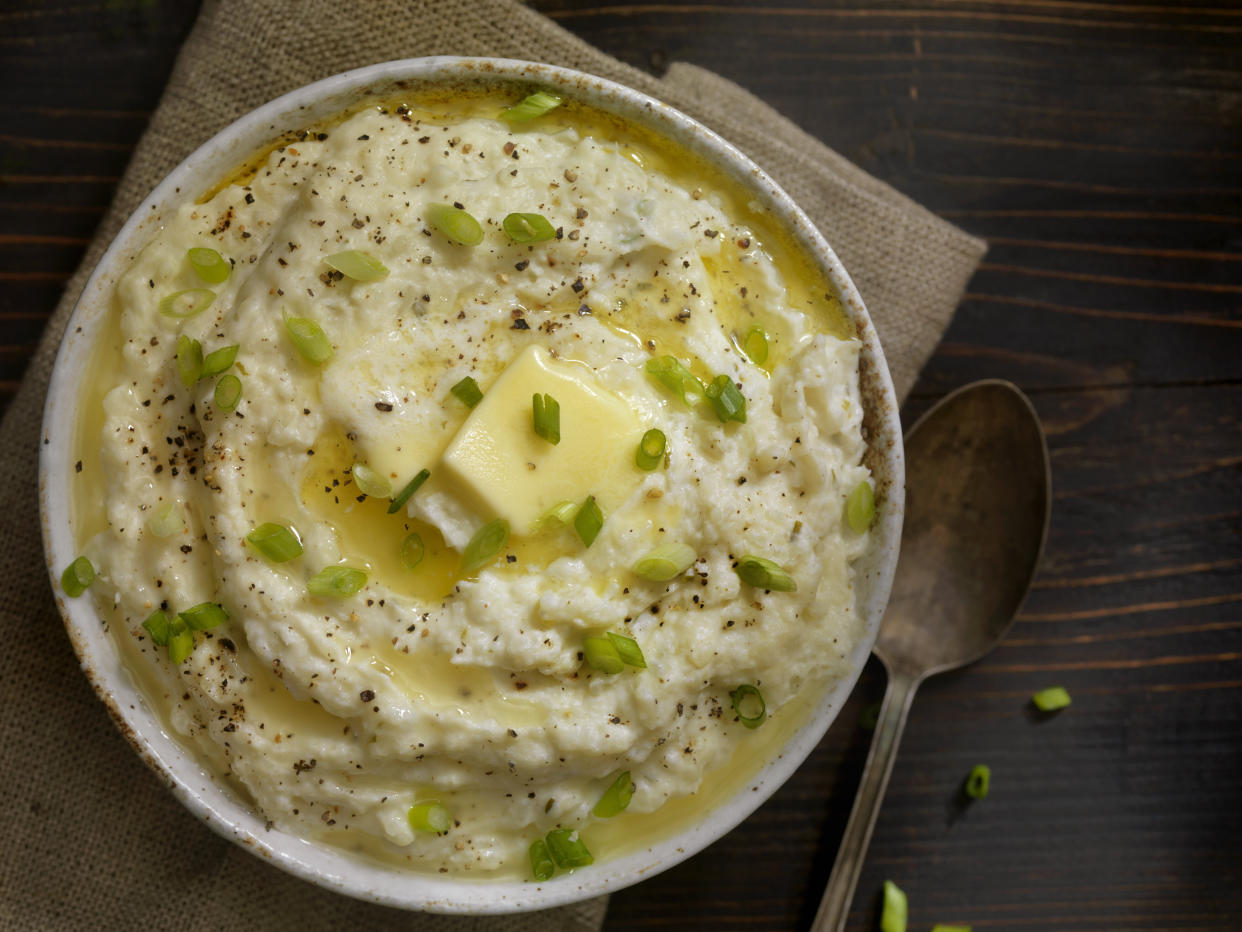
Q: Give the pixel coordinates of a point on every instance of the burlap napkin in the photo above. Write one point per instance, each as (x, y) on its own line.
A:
(93, 840)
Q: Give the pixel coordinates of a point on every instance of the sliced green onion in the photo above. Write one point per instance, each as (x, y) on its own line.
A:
(940, 927)
(978, 781)
(1051, 699)
(860, 507)
(204, 616)
(536, 105)
(602, 655)
(749, 705)
(336, 582)
(546, 415)
(228, 392)
(487, 541)
(729, 403)
(209, 265)
(650, 452)
(308, 339)
(456, 225)
(189, 360)
(628, 650)
(180, 640)
(567, 849)
(755, 345)
(358, 265)
(528, 228)
(541, 865)
(894, 912)
(159, 627)
(764, 574)
(276, 542)
(218, 361)
(430, 817)
(561, 512)
(371, 482)
(410, 488)
(166, 520)
(666, 562)
(588, 521)
(669, 372)
(183, 304)
(467, 392)
(616, 797)
(412, 550)
(77, 576)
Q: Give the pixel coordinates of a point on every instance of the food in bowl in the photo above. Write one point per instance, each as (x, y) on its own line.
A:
(474, 480)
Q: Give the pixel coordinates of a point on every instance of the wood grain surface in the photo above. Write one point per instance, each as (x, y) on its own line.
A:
(1098, 146)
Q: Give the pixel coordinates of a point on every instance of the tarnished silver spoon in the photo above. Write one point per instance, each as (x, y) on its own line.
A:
(978, 494)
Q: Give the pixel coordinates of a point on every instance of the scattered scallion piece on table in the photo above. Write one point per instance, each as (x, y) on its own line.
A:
(764, 574)
(940, 927)
(275, 541)
(650, 452)
(181, 304)
(542, 866)
(669, 372)
(77, 577)
(588, 521)
(412, 550)
(894, 911)
(616, 797)
(410, 488)
(755, 345)
(749, 705)
(209, 265)
(430, 817)
(527, 228)
(628, 650)
(358, 265)
(204, 616)
(456, 225)
(218, 361)
(729, 403)
(860, 507)
(228, 392)
(666, 562)
(1051, 699)
(308, 339)
(166, 520)
(336, 582)
(180, 640)
(567, 849)
(534, 105)
(371, 482)
(487, 541)
(978, 781)
(467, 392)
(546, 417)
(189, 360)
(158, 627)
(602, 655)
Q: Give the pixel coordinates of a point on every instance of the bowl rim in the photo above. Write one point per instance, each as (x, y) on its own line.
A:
(210, 799)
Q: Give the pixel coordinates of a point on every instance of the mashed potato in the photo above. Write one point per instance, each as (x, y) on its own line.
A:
(421, 677)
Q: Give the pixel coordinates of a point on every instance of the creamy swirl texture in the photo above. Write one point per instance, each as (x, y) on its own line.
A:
(335, 714)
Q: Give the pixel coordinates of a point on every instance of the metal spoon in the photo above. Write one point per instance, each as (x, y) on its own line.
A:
(978, 494)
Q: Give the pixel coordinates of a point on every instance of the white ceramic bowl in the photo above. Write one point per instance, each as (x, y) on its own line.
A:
(209, 797)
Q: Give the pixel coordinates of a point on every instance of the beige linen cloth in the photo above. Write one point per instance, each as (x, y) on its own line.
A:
(92, 839)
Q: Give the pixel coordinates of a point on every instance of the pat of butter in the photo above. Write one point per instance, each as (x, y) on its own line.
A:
(517, 475)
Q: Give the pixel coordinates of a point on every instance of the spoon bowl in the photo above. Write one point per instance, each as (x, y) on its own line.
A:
(978, 500)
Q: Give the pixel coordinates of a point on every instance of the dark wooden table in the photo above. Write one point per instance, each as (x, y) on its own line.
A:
(1098, 146)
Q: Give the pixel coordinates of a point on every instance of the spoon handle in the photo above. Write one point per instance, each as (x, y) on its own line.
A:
(835, 905)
